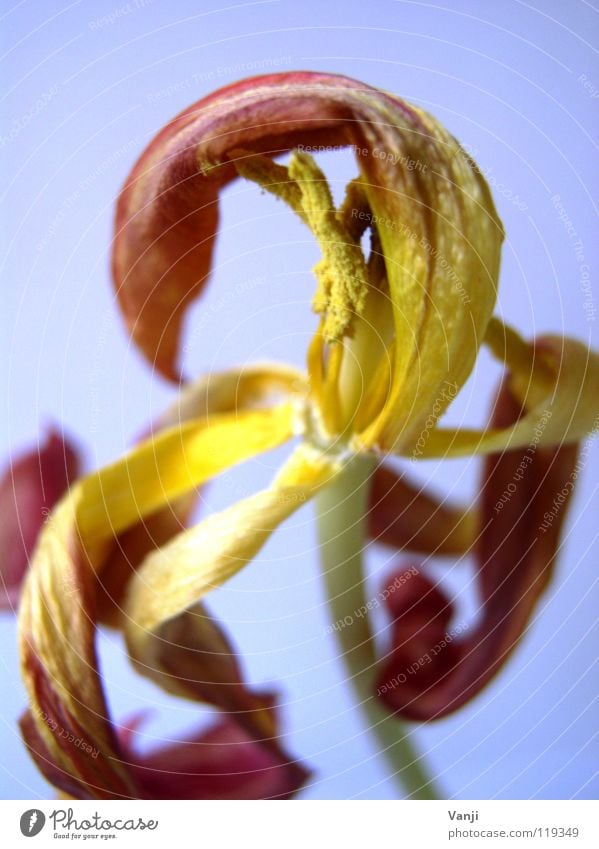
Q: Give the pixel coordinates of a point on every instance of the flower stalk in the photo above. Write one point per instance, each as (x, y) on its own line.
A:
(342, 509)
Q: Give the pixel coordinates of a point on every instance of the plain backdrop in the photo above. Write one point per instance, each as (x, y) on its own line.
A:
(85, 87)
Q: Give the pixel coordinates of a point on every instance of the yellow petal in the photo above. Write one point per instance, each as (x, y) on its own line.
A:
(57, 615)
(441, 239)
(244, 388)
(59, 663)
(176, 576)
(561, 410)
(174, 462)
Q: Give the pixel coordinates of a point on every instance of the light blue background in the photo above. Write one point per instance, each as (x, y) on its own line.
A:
(507, 79)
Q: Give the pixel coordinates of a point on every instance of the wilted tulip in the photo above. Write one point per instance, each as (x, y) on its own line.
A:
(399, 330)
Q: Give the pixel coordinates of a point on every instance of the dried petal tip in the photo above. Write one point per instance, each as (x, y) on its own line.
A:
(435, 666)
(220, 763)
(29, 489)
(438, 218)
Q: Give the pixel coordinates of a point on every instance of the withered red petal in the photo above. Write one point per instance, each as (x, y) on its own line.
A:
(432, 673)
(408, 517)
(220, 763)
(29, 489)
(167, 214)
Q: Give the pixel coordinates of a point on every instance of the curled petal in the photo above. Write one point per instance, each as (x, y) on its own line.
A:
(60, 772)
(221, 763)
(432, 209)
(29, 489)
(191, 656)
(432, 670)
(559, 391)
(59, 600)
(172, 579)
(247, 388)
(129, 549)
(421, 614)
(176, 461)
(60, 668)
(406, 516)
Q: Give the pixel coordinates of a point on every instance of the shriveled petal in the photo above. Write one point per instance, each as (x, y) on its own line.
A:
(441, 240)
(58, 608)
(172, 579)
(130, 547)
(420, 652)
(433, 667)
(561, 396)
(60, 668)
(408, 517)
(174, 462)
(432, 208)
(220, 763)
(192, 657)
(59, 772)
(246, 388)
(29, 489)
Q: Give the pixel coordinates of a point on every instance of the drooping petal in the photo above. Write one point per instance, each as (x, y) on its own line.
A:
(60, 667)
(172, 579)
(173, 463)
(441, 240)
(433, 667)
(220, 763)
(130, 547)
(420, 652)
(59, 600)
(431, 207)
(193, 658)
(408, 517)
(246, 388)
(29, 489)
(560, 393)
(59, 772)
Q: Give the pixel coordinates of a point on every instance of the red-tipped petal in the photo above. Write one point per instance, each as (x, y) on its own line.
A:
(129, 550)
(407, 517)
(29, 489)
(192, 656)
(421, 615)
(221, 763)
(167, 213)
(431, 671)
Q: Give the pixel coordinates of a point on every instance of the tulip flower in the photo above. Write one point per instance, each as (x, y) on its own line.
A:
(398, 331)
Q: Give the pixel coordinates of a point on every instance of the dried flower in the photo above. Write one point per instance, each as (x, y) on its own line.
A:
(399, 332)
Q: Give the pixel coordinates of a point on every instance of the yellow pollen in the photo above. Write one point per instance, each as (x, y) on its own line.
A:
(342, 273)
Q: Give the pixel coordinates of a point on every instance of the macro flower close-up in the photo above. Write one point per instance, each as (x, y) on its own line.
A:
(429, 597)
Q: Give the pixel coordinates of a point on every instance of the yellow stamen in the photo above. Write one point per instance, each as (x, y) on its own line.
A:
(378, 392)
(332, 402)
(354, 213)
(270, 176)
(342, 274)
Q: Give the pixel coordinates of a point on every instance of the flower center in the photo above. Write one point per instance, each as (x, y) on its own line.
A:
(350, 358)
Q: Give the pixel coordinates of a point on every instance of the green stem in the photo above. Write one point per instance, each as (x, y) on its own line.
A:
(342, 508)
